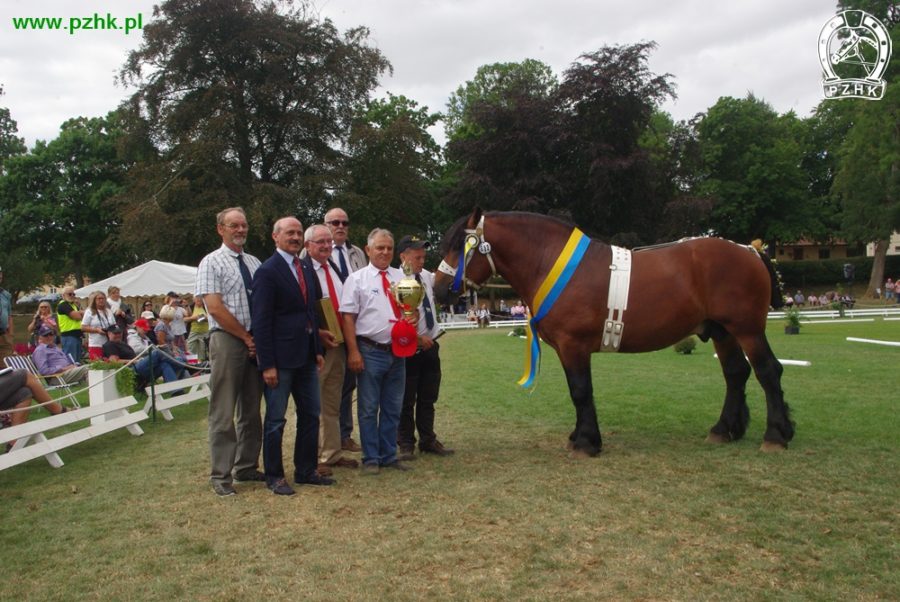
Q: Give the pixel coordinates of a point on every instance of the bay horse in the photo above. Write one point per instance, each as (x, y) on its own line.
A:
(710, 287)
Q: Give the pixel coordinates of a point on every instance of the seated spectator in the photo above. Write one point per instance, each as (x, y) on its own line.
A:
(43, 317)
(889, 289)
(788, 301)
(97, 318)
(136, 336)
(517, 311)
(165, 340)
(147, 311)
(117, 351)
(17, 389)
(503, 309)
(799, 299)
(472, 315)
(484, 316)
(53, 361)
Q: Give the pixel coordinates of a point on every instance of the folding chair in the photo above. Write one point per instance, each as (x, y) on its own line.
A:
(24, 362)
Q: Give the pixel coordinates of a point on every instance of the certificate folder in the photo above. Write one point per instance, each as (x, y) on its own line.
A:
(329, 320)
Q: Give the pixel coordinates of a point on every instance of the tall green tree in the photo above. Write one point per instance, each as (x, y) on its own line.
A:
(250, 101)
(498, 85)
(54, 199)
(10, 142)
(751, 170)
(392, 162)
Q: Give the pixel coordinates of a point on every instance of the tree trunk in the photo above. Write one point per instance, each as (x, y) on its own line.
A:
(876, 280)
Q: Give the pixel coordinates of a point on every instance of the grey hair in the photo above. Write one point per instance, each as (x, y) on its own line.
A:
(310, 232)
(220, 216)
(378, 232)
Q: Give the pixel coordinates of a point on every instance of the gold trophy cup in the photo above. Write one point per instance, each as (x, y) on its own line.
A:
(408, 292)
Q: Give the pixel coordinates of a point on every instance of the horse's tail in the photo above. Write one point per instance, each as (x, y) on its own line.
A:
(777, 299)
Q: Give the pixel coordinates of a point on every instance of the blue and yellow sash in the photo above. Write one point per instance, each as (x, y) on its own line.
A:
(547, 294)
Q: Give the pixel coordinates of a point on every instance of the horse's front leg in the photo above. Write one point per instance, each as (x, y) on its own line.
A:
(585, 439)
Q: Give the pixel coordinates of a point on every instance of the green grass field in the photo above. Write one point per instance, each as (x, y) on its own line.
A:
(659, 515)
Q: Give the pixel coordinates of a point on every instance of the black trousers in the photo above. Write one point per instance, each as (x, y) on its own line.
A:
(423, 384)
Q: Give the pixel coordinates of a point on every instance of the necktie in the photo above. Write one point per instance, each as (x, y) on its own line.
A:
(332, 294)
(344, 271)
(301, 279)
(426, 305)
(245, 275)
(387, 291)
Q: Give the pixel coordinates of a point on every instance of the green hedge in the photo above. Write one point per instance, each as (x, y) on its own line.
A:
(830, 272)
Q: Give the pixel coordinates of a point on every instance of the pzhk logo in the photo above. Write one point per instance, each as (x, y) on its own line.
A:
(854, 49)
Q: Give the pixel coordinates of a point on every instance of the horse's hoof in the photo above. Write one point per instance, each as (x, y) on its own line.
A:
(770, 447)
(717, 438)
(579, 454)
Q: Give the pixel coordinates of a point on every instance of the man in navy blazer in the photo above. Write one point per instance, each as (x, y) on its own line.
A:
(289, 354)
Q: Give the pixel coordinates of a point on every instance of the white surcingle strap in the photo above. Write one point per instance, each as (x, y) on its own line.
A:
(619, 280)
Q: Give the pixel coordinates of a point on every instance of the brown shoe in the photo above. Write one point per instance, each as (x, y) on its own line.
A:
(436, 448)
(346, 463)
(324, 470)
(406, 454)
(350, 445)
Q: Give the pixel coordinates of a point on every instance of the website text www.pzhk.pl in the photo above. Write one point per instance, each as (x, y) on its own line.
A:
(73, 25)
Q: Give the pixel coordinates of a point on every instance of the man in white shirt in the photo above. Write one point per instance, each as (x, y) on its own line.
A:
(369, 313)
(318, 243)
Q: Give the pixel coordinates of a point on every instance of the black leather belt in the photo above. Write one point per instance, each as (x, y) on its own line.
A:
(371, 343)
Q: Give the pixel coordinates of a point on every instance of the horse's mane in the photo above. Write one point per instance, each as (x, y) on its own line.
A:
(454, 237)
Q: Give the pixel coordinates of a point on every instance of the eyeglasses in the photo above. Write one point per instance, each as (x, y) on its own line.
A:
(237, 226)
(339, 222)
(322, 241)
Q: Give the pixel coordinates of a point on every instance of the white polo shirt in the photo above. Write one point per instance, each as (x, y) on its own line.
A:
(364, 296)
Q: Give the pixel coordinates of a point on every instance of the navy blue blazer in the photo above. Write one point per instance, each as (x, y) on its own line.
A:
(285, 328)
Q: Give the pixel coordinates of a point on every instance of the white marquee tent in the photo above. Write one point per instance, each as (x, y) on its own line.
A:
(151, 278)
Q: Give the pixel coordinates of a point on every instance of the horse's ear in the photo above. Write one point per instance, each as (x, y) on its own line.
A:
(474, 218)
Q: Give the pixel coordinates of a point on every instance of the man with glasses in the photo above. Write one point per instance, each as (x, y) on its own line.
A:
(348, 259)
(68, 317)
(331, 379)
(224, 280)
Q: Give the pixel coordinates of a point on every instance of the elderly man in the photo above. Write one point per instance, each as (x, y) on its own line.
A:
(348, 259)
(318, 244)
(423, 370)
(224, 283)
(289, 354)
(369, 313)
(50, 360)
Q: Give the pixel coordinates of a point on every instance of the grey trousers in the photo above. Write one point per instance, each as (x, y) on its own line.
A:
(235, 427)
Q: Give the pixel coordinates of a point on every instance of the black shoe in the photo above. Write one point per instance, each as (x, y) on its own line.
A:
(250, 477)
(224, 489)
(437, 448)
(315, 479)
(281, 487)
(397, 465)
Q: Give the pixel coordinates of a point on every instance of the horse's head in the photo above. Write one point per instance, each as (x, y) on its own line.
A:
(466, 258)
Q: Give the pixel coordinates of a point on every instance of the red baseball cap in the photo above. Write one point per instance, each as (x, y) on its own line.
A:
(404, 339)
(143, 324)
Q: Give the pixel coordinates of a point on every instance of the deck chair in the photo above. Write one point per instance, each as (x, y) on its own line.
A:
(51, 382)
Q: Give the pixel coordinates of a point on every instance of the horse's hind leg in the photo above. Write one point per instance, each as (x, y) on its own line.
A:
(779, 426)
(735, 415)
(586, 436)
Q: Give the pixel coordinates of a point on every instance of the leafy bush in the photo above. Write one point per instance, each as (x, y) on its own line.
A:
(126, 380)
(685, 346)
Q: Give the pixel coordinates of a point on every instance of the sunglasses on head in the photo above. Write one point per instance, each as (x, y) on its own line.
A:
(339, 222)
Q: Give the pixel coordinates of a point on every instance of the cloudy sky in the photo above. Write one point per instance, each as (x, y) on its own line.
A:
(712, 48)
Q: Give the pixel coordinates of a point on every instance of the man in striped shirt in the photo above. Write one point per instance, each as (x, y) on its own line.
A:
(224, 280)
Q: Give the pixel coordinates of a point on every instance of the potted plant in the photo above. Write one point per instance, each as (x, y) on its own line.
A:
(792, 317)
